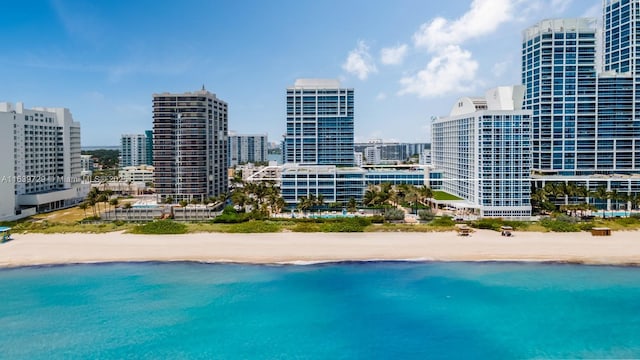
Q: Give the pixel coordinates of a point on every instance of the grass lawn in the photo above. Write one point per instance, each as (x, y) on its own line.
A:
(441, 195)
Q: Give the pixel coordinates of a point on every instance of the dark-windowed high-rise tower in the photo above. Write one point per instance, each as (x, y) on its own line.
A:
(190, 145)
(319, 123)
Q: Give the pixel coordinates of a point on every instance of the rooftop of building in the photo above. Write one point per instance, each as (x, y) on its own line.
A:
(560, 25)
(317, 83)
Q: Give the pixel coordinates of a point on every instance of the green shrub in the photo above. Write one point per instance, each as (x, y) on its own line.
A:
(231, 216)
(488, 223)
(559, 225)
(354, 224)
(626, 221)
(442, 221)
(586, 226)
(161, 227)
(635, 216)
(426, 215)
(393, 214)
(255, 226)
(377, 219)
(306, 227)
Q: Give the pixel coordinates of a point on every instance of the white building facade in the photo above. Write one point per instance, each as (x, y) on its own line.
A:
(247, 148)
(133, 150)
(40, 157)
(320, 123)
(142, 173)
(483, 149)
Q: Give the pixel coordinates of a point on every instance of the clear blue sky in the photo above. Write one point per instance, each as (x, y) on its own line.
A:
(408, 60)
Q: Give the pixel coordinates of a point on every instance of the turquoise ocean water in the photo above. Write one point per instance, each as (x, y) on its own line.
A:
(386, 310)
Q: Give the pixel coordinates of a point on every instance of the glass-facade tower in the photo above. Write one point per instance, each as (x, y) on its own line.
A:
(320, 118)
(620, 117)
(559, 74)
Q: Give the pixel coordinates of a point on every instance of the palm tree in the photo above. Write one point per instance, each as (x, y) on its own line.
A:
(102, 198)
(83, 206)
(114, 202)
(352, 206)
(92, 198)
(303, 204)
(426, 193)
(615, 197)
(635, 200)
(320, 201)
(370, 197)
(601, 193)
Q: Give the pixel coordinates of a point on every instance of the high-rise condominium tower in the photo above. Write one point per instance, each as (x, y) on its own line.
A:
(190, 145)
(558, 71)
(319, 123)
(133, 150)
(247, 148)
(40, 160)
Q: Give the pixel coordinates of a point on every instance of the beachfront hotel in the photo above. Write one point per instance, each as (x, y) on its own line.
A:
(483, 150)
(135, 149)
(247, 148)
(190, 149)
(40, 160)
(586, 127)
(319, 123)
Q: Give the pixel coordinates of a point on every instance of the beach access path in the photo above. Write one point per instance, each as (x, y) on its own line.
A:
(621, 248)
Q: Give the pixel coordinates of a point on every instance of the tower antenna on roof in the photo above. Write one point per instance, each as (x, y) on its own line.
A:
(203, 89)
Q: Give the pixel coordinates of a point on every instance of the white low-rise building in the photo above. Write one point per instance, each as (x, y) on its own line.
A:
(137, 174)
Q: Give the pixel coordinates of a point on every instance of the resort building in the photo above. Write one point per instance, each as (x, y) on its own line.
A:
(333, 184)
(341, 184)
(41, 159)
(319, 123)
(483, 149)
(247, 149)
(190, 145)
(134, 150)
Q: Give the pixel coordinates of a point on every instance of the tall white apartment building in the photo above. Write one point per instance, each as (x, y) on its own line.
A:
(247, 148)
(40, 160)
(320, 120)
(133, 150)
(483, 149)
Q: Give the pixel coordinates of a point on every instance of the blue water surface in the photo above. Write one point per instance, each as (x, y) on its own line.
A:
(378, 310)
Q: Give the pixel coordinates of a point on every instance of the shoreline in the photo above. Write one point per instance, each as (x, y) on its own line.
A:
(621, 248)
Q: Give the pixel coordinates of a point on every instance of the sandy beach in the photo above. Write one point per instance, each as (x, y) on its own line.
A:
(622, 248)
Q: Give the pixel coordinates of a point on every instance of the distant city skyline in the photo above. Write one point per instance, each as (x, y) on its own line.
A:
(407, 60)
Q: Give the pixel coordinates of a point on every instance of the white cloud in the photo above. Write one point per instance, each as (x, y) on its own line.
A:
(451, 70)
(381, 96)
(393, 55)
(560, 5)
(483, 18)
(360, 62)
(500, 68)
(594, 11)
